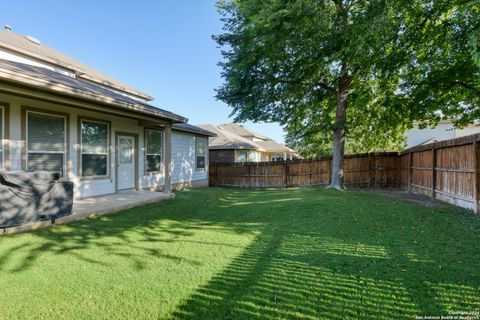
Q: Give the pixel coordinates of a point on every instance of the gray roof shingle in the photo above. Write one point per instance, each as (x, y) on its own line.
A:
(53, 81)
(20, 43)
(186, 127)
(227, 140)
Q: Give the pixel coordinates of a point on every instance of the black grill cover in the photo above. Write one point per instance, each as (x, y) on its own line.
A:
(33, 196)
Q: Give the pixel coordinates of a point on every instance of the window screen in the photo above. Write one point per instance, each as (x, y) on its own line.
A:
(154, 150)
(201, 146)
(242, 156)
(45, 142)
(252, 156)
(95, 148)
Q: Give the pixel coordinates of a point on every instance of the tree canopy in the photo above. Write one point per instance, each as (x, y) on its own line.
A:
(441, 74)
(361, 70)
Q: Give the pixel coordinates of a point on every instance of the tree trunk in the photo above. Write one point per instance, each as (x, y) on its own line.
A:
(339, 134)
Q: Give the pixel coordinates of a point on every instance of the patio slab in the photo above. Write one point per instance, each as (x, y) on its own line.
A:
(97, 206)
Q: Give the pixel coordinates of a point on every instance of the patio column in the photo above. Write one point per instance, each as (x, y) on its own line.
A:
(168, 157)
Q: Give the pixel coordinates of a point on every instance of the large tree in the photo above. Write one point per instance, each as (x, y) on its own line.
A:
(310, 64)
(441, 74)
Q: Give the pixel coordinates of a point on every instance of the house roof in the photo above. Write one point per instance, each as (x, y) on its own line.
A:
(186, 127)
(273, 146)
(52, 81)
(242, 131)
(228, 140)
(28, 46)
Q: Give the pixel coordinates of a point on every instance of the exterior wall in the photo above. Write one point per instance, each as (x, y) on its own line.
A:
(184, 170)
(229, 156)
(222, 155)
(183, 145)
(191, 185)
(443, 131)
(252, 156)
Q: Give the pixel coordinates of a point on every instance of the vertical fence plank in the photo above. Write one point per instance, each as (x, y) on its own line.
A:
(370, 169)
(447, 171)
(475, 177)
(434, 172)
(410, 170)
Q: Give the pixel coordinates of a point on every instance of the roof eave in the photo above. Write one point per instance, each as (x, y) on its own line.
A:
(26, 80)
(204, 133)
(77, 72)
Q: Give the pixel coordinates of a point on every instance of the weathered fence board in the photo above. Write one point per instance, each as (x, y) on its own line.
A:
(366, 170)
(446, 170)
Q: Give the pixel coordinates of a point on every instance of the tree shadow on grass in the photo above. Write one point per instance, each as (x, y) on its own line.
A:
(132, 234)
(316, 254)
(292, 277)
(375, 265)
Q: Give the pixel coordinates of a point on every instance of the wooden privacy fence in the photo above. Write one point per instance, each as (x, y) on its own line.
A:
(446, 170)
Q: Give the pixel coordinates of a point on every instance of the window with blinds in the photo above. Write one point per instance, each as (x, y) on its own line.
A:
(154, 150)
(46, 141)
(95, 138)
(201, 147)
(2, 126)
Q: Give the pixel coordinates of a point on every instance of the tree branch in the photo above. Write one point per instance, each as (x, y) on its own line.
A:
(465, 85)
(327, 88)
(321, 84)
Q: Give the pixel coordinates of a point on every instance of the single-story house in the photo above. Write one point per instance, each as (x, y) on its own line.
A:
(58, 114)
(236, 143)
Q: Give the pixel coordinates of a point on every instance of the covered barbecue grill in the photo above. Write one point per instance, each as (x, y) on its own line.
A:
(29, 196)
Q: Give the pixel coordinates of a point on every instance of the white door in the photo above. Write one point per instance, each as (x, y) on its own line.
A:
(126, 162)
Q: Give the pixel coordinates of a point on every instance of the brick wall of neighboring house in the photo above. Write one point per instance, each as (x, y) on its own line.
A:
(222, 155)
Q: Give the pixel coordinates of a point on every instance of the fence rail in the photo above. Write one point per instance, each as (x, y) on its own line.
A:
(447, 170)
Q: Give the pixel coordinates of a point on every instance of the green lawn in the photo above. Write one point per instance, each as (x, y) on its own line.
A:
(248, 254)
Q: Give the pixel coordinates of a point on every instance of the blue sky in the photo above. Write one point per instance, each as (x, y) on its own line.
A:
(163, 48)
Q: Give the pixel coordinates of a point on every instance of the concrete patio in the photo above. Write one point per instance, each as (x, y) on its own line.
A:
(97, 206)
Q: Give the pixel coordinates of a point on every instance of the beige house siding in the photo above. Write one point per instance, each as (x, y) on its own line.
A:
(182, 160)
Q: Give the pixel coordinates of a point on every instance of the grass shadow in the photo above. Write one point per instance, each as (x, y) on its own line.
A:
(313, 254)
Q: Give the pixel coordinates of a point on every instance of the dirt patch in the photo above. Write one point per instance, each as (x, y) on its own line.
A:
(411, 197)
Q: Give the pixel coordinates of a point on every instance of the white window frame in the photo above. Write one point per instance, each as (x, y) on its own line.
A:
(2, 137)
(27, 152)
(248, 152)
(80, 173)
(197, 138)
(162, 154)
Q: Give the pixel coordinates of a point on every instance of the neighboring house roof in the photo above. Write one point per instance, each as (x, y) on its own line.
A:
(54, 81)
(228, 140)
(273, 146)
(228, 137)
(242, 131)
(432, 140)
(185, 127)
(34, 49)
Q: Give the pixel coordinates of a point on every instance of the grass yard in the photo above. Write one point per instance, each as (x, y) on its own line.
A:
(248, 254)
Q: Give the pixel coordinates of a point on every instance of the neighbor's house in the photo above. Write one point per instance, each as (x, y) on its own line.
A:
(235, 143)
(443, 131)
(58, 114)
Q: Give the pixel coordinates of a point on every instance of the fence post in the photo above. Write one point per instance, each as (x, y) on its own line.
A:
(410, 170)
(286, 172)
(249, 178)
(329, 168)
(434, 171)
(370, 170)
(211, 175)
(475, 177)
